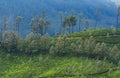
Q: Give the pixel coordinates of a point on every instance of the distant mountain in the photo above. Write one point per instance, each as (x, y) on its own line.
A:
(30, 8)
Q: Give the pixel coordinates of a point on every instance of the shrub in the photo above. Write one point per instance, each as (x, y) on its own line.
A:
(32, 47)
(115, 54)
(22, 45)
(33, 36)
(40, 45)
(77, 48)
(59, 48)
(89, 45)
(10, 41)
(44, 43)
(101, 50)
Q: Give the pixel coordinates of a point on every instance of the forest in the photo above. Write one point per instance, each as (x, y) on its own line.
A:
(76, 50)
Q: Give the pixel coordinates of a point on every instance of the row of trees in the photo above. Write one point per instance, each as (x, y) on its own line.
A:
(69, 22)
(40, 24)
(62, 45)
(38, 41)
(6, 34)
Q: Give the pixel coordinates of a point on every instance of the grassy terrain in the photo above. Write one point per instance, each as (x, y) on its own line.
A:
(43, 66)
(47, 66)
(109, 36)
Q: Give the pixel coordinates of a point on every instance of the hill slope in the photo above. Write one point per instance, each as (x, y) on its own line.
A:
(13, 65)
(44, 66)
(109, 36)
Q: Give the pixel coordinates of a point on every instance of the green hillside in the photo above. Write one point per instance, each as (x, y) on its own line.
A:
(74, 64)
(45, 66)
(109, 36)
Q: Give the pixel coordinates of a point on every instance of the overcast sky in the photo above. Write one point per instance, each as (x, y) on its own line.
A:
(116, 1)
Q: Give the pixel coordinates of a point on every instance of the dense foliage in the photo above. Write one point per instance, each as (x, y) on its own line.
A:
(101, 46)
(74, 55)
(45, 66)
(64, 45)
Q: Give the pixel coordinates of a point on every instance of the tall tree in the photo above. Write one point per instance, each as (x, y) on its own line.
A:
(17, 23)
(34, 26)
(1, 33)
(66, 23)
(40, 24)
(73, 12)
(63, 27)
(43, 23)
(61, 21)
(87, 23)
(118, 14)
(80, 21)
(43, 14)
(97, 17)
(5, 24)
(69, 22)
(72, 22)
(47, 23)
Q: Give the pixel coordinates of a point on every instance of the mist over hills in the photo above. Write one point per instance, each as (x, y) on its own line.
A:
(30, 8)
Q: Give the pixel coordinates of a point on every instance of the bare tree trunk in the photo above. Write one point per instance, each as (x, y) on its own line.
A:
(60, 30)
(63, 30)
(61, 25)
(79, 27)
(117, 20)
(1, 35)
(18, 30)
(95, 24)
(69, 30)
(45, 30)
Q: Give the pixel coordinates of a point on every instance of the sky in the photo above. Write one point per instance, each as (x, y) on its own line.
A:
(116, 1)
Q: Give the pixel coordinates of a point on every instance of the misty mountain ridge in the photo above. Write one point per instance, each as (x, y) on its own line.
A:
(30, 8)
